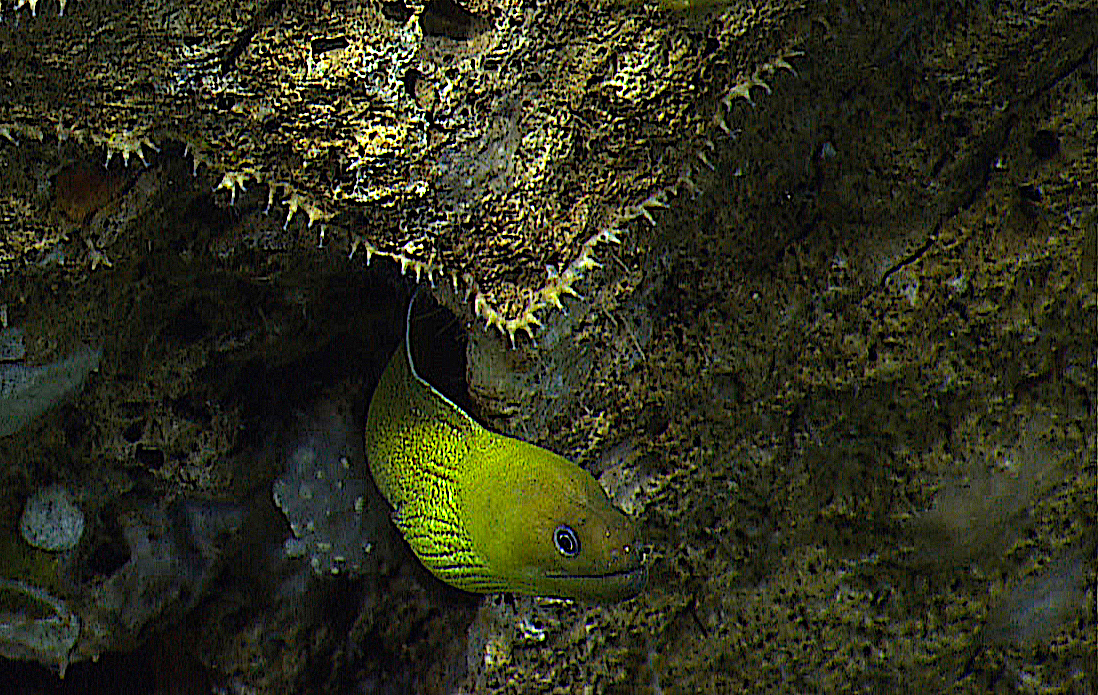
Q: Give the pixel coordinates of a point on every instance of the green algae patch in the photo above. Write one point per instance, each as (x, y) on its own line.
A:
(20, 561)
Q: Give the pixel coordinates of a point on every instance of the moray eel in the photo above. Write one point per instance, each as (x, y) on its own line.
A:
(485, 512)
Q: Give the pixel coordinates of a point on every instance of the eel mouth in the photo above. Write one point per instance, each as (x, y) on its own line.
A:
(605, 587)
(632, 572)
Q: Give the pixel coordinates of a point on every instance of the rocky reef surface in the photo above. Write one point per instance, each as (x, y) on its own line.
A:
(811, 288)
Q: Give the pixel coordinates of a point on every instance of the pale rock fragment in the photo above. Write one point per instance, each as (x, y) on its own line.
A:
(52, 520)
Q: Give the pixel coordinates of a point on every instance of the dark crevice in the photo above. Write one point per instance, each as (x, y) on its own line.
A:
(976, 168)
(228, 60)
(448, 19)
(914, 256)
(323, 45)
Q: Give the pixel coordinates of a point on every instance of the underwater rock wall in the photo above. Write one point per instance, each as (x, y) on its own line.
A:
(867, 315)
(492, 147)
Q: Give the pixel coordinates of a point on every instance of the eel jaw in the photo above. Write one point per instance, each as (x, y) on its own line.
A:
(603, 588)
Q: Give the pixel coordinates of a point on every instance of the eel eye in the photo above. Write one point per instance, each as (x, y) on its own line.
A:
(567, 542)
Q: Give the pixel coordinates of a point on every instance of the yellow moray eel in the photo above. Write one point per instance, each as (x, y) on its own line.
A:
(485, 512)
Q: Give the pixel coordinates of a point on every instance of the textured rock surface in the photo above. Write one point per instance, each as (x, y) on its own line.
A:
(27, 392)
(492, 146)
(847, 385)
(324, 496)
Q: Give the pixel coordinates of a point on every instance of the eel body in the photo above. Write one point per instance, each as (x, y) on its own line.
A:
(485, 512)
